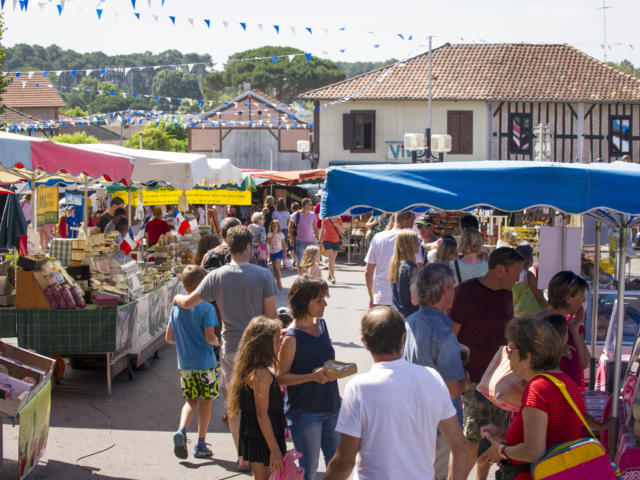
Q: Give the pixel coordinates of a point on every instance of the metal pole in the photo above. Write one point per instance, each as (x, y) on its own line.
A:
(427, 156)
(85, 207)
(564, 241)
(594, 308)
(622, 253)
(121, 122)
(129, 205)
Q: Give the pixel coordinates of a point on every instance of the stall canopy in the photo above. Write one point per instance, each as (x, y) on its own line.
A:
(21, 154)
(290, 178)
(608, 191)
(180, 170)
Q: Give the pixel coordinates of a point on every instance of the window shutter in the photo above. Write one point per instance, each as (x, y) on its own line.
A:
(453, 129)
(466, 132)
(347, 131)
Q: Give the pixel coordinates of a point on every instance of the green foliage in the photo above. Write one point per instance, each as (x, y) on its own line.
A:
(351, 69)
(176, 84)
(626, 66)
(74, 111)
(285, 79)
(75, 138)
(168, 138)
(3, 52)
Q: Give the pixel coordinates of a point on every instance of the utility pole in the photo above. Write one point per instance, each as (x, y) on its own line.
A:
(604, 9)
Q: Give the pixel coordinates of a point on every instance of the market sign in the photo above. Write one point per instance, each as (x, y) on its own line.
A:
(197, 196)
(47, 209)
(397, 153)
(124, 195)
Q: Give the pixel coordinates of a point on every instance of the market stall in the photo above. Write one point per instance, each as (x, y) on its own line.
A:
(608, 193)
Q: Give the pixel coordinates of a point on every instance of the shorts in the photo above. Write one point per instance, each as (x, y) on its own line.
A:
(478, 411)
(277, 255)
(227, 361)
(199, 384)
(441, 464)
(331, 245)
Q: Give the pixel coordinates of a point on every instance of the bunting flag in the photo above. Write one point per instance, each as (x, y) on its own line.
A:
(277, 27)
(128, 244)
(2, 4)
(59, 7)
(133, 3)
(181, 224)
(137, 15)
(99, 12)
(207, 22)
(244, 26)
(173, 19)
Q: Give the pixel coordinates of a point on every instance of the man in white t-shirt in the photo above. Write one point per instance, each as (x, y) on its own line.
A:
(378, 258)
(390, 415)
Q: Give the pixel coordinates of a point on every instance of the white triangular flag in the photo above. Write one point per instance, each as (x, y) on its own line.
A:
(155, 17)
(226, 25)
(293, 30)
(326, 30)
(189, 66)
(88, 72)
(100, 92)
(190, 21)
(124, 94)
(260, 26)
(58, 72)
(291, 57)
(24, 83)
(126, 71)
(14, 4)
(149, 3)
(42, 5)
(116, 14)
(30, 75)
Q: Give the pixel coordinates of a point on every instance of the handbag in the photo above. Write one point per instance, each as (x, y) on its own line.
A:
(500, 385)
(294, 227)
(579, 459)
(290, 470)
(262, 252)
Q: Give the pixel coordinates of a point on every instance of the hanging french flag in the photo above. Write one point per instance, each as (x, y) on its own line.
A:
(181, 224)
(140, 235)
(127, 244)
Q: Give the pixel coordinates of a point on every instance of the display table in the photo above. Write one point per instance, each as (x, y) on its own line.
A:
(132, 331)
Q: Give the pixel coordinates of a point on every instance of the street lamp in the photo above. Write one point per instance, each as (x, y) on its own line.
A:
(415, 142)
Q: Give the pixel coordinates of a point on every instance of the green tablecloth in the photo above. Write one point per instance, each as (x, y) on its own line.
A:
(67, 331)
(8, 322)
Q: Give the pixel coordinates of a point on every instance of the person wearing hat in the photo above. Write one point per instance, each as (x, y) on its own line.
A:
(428, 239)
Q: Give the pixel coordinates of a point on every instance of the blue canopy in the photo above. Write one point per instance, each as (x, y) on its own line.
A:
(607, 191)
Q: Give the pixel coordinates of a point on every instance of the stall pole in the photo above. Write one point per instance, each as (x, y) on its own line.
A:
(85, 206)
(594, 308)
(129, 204)
(564, 241)
(613, 432)
(34, 200)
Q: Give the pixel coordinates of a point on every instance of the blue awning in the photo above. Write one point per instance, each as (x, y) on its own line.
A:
(609, 191)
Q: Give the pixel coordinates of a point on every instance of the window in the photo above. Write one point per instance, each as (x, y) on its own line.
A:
(460, 127)
(620, 135)
(520, 133)
(359, 131)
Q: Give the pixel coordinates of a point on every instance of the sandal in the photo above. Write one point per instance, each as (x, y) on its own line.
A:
(242, 467)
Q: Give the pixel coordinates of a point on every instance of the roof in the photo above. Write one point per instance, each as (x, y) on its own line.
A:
(516, 72)
(37, 91)
(12, 115)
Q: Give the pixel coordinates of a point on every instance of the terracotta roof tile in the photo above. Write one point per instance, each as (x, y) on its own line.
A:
(37, 91)
(492, 72)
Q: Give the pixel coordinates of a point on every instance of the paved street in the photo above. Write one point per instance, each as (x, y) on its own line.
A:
(129, 436)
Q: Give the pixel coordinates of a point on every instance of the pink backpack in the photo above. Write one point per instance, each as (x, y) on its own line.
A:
(291, 470)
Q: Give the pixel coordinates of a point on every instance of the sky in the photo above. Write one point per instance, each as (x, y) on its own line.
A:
(347, 30)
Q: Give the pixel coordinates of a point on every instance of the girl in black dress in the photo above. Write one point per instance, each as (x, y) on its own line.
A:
(256, 395)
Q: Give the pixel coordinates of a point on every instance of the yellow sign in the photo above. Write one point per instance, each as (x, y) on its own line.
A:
(124, 195)
(34, 430)
(47, 209)
(170, 196)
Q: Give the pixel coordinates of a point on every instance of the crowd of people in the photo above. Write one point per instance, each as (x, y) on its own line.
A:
(439, 310)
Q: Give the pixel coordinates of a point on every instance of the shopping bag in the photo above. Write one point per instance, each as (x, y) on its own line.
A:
(500, 385)
(291, 470)
(263, 252)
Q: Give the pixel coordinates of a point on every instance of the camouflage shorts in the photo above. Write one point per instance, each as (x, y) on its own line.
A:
(202, 384)
(478, 412)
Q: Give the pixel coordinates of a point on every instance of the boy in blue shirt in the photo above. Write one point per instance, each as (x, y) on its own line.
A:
(192, 332)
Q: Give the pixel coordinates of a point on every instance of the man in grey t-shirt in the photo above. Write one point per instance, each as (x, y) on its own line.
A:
(242, 291)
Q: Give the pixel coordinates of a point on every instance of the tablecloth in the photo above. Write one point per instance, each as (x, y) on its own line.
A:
(61, 250)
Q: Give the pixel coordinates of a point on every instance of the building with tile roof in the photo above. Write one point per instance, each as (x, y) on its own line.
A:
(33, 95)
(488, 97)
(251, 130)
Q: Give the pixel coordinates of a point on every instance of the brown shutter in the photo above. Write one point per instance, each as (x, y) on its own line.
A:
(460, 127)
(453, 130)
(347, 131)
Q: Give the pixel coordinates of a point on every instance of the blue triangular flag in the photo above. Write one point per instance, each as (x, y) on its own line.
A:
(99, 12)
(173, 19)
(226, 104)
(112, 93)
(133, 2)
(18, 74)
(137, 15)
(277, 27)
(102, 72)
(377, 45)
(200, 102)
(73, 73)
(400, 35)
(308, 56)
(134, 95)
(23, 4)
(37, 84)
(308, 29)
(58, 6)
(2, 3)
(244, 26)
(163, 3)
(410, 37)
(274, 60)
(208, 22)
(179, 101)
(157, 97)
(342, 50)
(44, 74)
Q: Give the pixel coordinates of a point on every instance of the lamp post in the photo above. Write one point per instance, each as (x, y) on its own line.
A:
(304, 148)
(415, 142)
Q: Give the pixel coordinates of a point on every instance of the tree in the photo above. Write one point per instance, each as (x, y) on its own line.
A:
(176, 84)
(626, 66)
(74, 112)
(285, 79)
(213, 86)
(3, 51)
(77, 138)
(351, 69)
(169, 138)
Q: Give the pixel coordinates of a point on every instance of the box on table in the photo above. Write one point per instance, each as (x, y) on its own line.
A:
(30, 290)
(79, 244)
(22, 363)
(95, 240)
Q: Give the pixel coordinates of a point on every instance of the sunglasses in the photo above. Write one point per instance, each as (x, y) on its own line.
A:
(425, 225)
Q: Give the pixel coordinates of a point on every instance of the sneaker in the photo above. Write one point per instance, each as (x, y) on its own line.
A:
(202, 451)
(180, 445)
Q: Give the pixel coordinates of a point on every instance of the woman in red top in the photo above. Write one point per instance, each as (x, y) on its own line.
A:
(546, 418)
(330, 231)
(156, 227)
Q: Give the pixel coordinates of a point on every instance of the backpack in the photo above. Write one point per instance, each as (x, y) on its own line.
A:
(575, 460)
(294, 229)
(217, 260)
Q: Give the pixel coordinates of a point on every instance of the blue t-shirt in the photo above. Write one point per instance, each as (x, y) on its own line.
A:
(194, 353)
(72, 227)
(311, 353)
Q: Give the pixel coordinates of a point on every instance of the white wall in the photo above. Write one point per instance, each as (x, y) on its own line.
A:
(393, 120)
